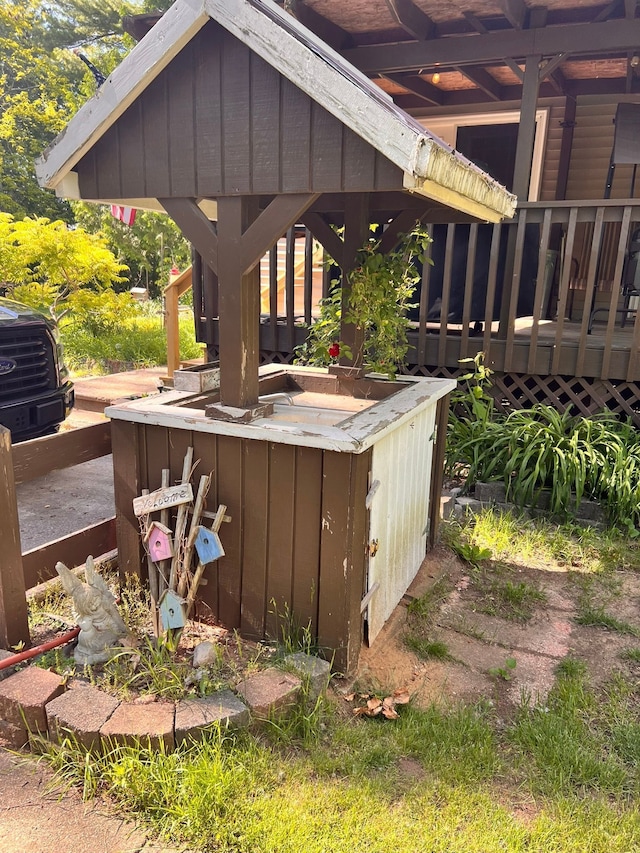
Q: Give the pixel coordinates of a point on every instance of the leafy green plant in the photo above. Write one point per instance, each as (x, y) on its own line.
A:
(537, 449)
(505, 672)
(382, 287)
(471, 553)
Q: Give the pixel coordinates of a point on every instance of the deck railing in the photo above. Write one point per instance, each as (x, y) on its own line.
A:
(540, 295)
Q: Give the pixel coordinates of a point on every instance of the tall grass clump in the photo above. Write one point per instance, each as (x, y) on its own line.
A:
(537, 449)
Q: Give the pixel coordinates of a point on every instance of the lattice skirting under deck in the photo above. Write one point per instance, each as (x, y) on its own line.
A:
(581, 395)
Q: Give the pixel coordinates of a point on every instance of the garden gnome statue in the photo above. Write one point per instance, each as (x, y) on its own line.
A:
(101, 625)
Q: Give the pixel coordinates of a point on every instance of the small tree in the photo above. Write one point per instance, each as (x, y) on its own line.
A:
(43, 262)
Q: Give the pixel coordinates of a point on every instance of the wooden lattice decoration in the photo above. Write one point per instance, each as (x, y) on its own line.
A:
(580, 395)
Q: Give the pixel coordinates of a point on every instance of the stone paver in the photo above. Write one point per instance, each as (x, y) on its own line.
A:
(269, 691)
(81, 711)
(548, 634)
(24, 695)
(194, 716)
(151, 722)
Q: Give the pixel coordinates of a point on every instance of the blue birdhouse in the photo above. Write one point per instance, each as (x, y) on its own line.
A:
(172, 610)
(208, 545)
(159, 542)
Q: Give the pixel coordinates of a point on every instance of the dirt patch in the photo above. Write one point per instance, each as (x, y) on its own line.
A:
(491, 653)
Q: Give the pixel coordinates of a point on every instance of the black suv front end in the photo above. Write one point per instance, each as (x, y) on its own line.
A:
(35, 391)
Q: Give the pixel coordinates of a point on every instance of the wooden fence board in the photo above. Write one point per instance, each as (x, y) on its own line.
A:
(38, 457)
(73, 550)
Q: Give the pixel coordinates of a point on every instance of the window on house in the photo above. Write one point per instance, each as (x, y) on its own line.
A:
(489, 139)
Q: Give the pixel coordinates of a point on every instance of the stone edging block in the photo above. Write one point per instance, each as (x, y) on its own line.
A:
(37, 700)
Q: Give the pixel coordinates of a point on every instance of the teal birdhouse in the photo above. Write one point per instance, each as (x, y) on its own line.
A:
(159, 542)
(172, 610)
(208, 545)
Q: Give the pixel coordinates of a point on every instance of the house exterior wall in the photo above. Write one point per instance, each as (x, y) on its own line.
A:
(592, 144)
(219, 121)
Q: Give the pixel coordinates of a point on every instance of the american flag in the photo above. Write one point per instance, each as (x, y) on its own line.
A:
(124, 214)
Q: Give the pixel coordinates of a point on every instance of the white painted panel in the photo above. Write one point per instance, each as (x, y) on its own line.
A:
(399, 512)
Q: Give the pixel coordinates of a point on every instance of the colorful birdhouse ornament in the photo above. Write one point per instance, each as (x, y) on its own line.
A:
(159, 542)
(172, 610)
(208, 545)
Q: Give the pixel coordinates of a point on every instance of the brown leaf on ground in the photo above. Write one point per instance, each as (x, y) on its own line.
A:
(350, 697)
(390, 713)
(373, 703)
(401, 696)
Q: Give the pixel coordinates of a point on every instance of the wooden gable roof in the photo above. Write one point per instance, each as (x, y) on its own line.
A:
(167, 56)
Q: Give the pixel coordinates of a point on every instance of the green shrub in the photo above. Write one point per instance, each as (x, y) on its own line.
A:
(138, 342)
(540, 448)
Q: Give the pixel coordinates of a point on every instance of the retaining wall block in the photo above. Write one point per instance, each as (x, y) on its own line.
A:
(82, 711)
(269, 691)
(147, 723)
(318, 672)
(195, 716)
(24, 695)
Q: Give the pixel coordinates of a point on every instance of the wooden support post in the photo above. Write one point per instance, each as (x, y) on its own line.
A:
(356, 230)
(172, 329)
(521, 176)
(437, 468)
(239, 304)
(527, 128)
(14, 624)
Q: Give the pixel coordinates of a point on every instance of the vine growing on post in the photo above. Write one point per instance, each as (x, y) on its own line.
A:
(382, 288)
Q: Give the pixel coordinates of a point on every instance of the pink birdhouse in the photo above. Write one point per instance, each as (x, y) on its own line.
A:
(159, 542)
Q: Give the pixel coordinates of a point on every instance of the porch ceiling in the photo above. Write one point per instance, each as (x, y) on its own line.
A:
(400, 45)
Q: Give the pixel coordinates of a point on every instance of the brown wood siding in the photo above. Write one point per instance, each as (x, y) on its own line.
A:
(592, 144)
(220, 121)
(296, 541)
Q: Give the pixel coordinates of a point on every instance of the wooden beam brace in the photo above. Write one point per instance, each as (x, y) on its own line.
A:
(283, 212)
(475, 22)
(403, 223)
(195, 226)
(483, 80)
(412, 19)
(607, 12)
(559, 82)
(479, 27)
(513, 65)
(515, 11)
(422, 88)
(324, 234)
(616, 35)
(551, 64)
(331, 33)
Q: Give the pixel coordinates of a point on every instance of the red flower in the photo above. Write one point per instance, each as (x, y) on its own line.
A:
(334, 350)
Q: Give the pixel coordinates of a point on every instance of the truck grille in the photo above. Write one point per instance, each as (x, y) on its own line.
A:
(32, 351)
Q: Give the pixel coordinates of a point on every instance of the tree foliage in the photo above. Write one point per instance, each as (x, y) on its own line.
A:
(42, 262)
(150, 247)
(42, 84)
